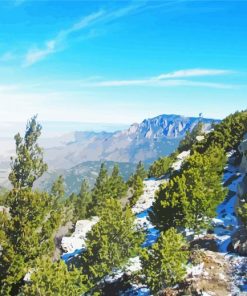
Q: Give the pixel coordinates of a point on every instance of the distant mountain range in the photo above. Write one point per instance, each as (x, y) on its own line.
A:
(78, 154)
(152, 138)
(87, 170)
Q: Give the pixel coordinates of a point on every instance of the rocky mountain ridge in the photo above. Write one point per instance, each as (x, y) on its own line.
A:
(146, 141)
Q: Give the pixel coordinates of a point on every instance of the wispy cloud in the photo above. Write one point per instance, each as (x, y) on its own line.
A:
(177, 78)
(7, 56)
(8, 87)
(51, 46)
(194, 73)
(100, 17)
(18, 2)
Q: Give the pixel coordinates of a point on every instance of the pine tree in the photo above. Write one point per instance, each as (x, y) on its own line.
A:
(135, 183)
(160, 167)
(58, 190)
(140, 170)
(227, 134)
(27, 234)
(82, 202)
(190, 137)
(27, 230)
(111, 242)
(117, 185)
(137, 189)
(170, 206)
(101, 191)
(28, 165)
(164, 265)
(54, 279)
(242, 212)
(190, 198)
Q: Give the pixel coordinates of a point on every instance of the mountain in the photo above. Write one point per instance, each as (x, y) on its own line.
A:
(87, 170)
(152, 138)
(77, 155)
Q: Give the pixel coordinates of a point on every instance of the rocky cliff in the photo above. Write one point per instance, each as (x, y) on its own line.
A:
(146, 141)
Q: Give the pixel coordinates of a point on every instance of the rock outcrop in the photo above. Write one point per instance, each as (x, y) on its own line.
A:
(145, 141)
(242, 188)
(239, 241)
(243, 149)
(77, 240)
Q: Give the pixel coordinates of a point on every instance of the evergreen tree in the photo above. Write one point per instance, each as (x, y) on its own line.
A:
(57, 190)
(27, 230)
(117, 185)
(82, 202)
(101, 191)
(111, 242)
(135, 183)
(140, 170)
(164, 265)
(137, 189)
(227, 134)
(160, 167)
(170, 206)
(54, 279)
(190, 198)
(27, 234)
(28, 165)
(190, 137)
(242, 212)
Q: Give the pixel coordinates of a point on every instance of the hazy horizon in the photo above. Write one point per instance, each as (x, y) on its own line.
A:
(122, 61)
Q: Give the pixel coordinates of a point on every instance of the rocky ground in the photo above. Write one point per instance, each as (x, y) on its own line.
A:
(218, 272)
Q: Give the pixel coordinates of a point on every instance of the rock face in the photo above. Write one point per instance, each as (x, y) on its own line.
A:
(176, 166)
(239, 241)
(146, 141)
(243, 149)
(77, 240)
(242, 188)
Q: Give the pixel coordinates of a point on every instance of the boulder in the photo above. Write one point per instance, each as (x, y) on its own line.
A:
(239, 241)
(77, 240)
(243, 150)
(242, 187)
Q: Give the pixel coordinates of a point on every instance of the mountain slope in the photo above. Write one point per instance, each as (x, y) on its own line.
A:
(87, 170)
(146, 141)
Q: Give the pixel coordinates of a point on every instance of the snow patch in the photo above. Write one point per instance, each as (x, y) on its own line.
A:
(77, 240)
(176, 166)
(147, 198)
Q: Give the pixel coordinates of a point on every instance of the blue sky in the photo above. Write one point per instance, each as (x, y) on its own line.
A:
(121, 61)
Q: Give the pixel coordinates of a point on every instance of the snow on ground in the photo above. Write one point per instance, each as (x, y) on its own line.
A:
(137, 290)
(225, 224)
(74, 244)
(142, 207)
(195, 270)
(133, 265)
(180, 159)
(146, 200)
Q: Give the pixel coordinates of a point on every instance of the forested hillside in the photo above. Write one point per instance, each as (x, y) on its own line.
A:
(158, 233)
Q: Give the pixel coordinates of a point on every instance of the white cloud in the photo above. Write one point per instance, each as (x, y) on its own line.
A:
(8, 87)
(193, 73)
(167, 80)
(36, 54)
(7, 56)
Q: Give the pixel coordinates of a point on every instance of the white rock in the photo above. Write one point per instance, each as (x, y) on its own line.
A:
(200, 138)
(77, 240)
(146, 200)
(180, 159)
(195, 270)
